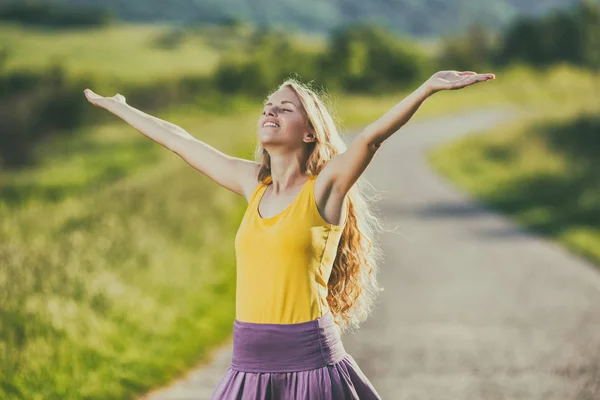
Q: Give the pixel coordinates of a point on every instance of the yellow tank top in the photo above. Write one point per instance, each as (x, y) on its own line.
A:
(284, 262)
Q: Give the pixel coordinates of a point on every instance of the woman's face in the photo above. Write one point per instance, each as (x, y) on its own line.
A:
(282, 120)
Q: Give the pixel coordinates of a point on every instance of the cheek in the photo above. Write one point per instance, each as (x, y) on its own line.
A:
(295, 123)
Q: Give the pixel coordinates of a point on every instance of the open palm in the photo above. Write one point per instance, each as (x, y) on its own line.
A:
(102, 102)
(452, 80)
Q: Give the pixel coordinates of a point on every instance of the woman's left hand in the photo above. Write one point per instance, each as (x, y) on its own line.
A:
(452, 80)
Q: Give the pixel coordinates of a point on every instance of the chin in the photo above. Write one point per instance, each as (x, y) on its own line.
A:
(270, 137)
(266, 143)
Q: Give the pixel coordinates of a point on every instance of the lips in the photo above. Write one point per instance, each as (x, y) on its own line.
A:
(270, 123)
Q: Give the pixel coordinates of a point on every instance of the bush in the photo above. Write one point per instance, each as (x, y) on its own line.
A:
(272, 57)
(34, 106)
(367, 58)
(359, 58)
(571, 36)
(475, 50)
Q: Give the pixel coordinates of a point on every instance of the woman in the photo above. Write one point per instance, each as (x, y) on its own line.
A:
(306, 264)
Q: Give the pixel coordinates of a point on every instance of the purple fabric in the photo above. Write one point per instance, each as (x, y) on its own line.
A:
(304, 361)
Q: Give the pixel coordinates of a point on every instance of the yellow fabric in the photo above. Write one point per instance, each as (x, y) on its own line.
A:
(284, 262)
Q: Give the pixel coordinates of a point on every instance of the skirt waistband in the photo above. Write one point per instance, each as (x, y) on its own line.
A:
(286, 347)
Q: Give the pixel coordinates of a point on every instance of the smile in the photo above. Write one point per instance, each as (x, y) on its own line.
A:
(269, 124)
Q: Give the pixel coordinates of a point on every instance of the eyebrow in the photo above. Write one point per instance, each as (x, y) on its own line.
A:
(285, 101)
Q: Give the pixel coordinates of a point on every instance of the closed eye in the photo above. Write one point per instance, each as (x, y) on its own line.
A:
(283, 109)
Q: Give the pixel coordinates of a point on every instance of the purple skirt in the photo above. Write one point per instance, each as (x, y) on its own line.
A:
(303, 361)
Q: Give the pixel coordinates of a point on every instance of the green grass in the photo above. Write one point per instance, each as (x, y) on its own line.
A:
(543, 172)
(120, 287)
(104, 296)
(121, 51)
(111, 52)
(118, 270)
(77, 166)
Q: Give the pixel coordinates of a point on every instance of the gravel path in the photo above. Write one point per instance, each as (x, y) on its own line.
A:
(474, 307)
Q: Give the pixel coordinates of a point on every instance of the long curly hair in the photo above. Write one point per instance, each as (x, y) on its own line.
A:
(352, 286)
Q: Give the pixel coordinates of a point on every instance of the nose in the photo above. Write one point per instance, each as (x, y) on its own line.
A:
(271, 111)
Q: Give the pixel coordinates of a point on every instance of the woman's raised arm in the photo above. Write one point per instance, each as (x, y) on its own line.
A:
(235, 174)
(344, 170)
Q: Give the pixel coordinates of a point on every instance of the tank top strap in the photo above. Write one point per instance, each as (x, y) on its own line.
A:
(305, 201)
(260, 186)
(310, 186)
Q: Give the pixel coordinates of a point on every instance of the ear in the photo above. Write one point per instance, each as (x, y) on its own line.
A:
(310, 137)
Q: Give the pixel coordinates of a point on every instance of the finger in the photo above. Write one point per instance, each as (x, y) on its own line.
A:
(467, 81)
(467, 73)
(462, 82)
(478, 78)
(474, 77)
(91, 95)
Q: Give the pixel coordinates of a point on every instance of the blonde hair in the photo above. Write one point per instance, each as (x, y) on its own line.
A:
(353, 283)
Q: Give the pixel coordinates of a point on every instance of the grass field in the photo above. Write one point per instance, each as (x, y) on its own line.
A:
(116, 287)
(121, 51)
(118, 271)
(543, 173)
(112, 52)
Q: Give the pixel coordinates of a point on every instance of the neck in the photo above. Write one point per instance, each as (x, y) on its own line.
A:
(287, 170)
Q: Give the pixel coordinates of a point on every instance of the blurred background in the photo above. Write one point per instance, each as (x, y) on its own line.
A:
(114, 252)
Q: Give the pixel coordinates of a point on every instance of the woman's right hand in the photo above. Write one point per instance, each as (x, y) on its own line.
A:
(103, 102)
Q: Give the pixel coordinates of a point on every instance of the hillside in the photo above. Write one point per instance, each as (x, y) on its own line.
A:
(413, 17)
